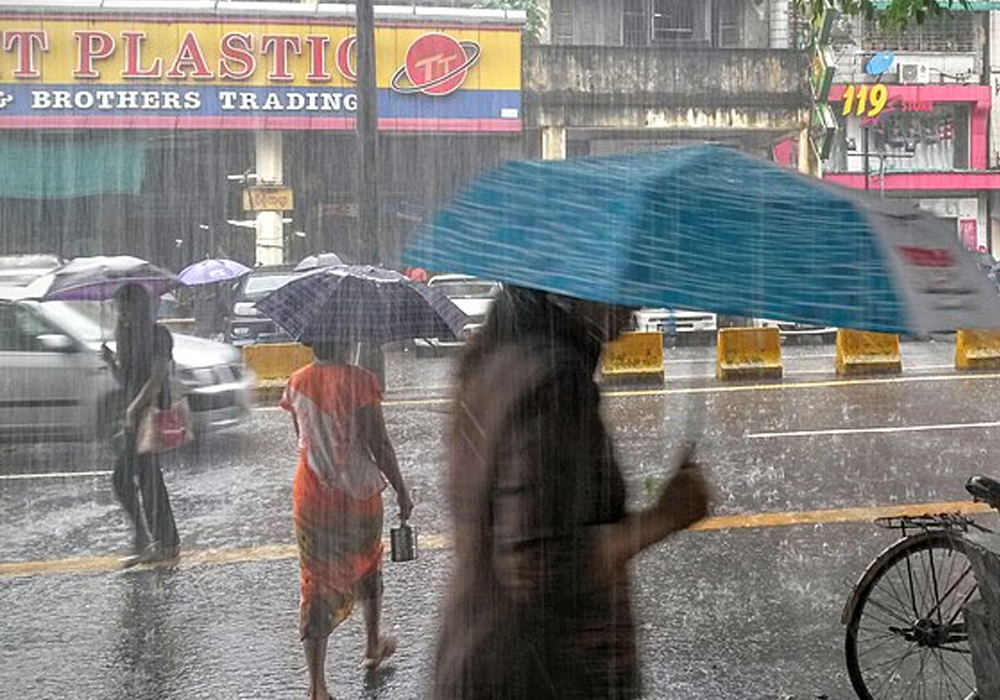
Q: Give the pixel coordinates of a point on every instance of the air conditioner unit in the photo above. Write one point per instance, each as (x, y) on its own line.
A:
(913, 74)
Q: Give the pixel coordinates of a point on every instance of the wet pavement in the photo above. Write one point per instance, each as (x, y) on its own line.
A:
(745, 611)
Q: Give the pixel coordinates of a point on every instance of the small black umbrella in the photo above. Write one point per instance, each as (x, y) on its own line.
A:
(359, 303)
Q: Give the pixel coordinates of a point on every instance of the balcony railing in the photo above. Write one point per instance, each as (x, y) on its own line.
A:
(696, 77)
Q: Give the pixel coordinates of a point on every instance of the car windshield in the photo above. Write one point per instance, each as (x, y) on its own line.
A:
(258, 285)
(90, 321)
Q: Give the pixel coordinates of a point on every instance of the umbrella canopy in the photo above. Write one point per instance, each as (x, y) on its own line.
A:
(714, 229)
(212, 271)
(360, 303)
(312, 262)
(99, 277)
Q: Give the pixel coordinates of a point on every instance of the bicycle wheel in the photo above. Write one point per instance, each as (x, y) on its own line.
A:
(906, 636)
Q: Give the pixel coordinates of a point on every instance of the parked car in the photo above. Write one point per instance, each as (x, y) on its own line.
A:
(246, 325)
(22, 270)
(53, 382)
(793, 327)
(473, 296)
(651, 320)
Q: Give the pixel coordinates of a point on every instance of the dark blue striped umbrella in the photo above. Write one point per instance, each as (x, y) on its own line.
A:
(359, 303)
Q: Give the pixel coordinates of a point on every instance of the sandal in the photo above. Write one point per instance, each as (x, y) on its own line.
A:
(386, 648)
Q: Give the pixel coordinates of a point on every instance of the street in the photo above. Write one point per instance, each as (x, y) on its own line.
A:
(745, 607)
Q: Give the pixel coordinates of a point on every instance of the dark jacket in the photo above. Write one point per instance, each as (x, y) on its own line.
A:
(531, 469)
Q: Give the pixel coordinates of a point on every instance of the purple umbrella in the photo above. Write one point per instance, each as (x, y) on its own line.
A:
(212, 271)
(99, 277)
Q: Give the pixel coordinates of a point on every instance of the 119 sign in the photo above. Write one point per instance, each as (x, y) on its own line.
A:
(865, 100)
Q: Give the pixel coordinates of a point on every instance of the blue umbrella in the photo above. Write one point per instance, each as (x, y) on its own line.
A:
(359, 303)
(212, 271)
(710, 228)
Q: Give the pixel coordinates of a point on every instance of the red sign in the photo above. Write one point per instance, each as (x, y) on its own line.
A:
(968, 231)
(927, 257)
(435, 64)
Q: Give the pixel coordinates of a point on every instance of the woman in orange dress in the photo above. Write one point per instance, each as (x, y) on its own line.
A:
(345, 460)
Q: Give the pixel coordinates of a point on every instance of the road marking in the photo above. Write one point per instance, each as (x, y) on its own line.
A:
(724, 389)
(432, 542)
(52, 475)
(886, 429)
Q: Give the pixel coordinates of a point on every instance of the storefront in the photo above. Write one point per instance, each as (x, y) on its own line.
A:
(136, 131)
(926, 143)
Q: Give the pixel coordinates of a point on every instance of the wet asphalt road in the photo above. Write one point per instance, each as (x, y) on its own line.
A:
(739, 612)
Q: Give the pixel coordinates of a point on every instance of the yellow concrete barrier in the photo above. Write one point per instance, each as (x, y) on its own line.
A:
(864, 352)
(748, 353)
(633, 357)
(278, 360)
(977, 349)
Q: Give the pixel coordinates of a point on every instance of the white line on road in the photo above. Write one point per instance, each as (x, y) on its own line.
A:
(887, 429)
(51, 475)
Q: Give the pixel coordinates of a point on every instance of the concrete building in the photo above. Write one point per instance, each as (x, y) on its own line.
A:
(611, 76)
(137, 128)
(929, 129)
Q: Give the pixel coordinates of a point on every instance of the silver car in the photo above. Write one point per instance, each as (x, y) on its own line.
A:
(54, 384)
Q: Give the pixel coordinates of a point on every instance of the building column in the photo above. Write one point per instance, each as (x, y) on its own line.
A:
(993, 63)
(553, 143)
(270, 172)
(805, 154)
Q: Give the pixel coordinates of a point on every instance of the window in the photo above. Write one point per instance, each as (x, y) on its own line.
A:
(19, 329)
(635, 23)
(954, 33)
(726, 21)
(562, 22)
(932, 139)
(673, 20)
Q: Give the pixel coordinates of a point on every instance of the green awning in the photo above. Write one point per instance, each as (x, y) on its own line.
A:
(65, 166)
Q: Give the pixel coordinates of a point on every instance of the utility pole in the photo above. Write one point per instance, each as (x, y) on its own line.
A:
(367, 119)
(368, 355)
(865, 153)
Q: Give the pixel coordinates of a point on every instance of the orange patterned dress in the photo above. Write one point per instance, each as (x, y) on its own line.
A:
(337, 492)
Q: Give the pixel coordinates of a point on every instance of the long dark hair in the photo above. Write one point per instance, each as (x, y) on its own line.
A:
(140, 319)
(518, 313)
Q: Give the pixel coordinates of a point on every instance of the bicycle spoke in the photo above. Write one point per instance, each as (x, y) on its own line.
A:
(907, 639)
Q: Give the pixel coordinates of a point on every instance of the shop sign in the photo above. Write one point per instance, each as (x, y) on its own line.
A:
(865, 100)
(968, 233)
(218, 73)
(268, 199)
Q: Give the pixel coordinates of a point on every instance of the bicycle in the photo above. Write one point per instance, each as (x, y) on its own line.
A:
(906, 635)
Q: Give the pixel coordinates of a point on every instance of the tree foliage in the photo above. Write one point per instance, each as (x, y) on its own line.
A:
(891, 14)
(534, 11)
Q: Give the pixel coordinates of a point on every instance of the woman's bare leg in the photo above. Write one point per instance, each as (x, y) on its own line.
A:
(377, 647)
(316, 661)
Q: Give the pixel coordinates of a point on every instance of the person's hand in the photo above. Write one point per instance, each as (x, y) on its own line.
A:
(107, 354)
(685, 498)
(405, 504)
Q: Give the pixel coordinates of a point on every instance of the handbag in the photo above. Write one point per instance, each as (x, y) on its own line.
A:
(163, 429)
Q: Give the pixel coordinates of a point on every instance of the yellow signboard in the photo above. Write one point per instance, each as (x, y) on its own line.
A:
(290, 73)
(268, 199)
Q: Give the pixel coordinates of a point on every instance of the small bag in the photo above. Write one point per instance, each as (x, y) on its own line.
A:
(163, 429)
(404, 542)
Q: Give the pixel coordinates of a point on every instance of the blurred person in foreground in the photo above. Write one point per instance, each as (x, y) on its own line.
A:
(538, 605)
(141, 364)
(345, 459)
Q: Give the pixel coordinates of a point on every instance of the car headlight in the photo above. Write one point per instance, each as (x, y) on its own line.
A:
(187, 376)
